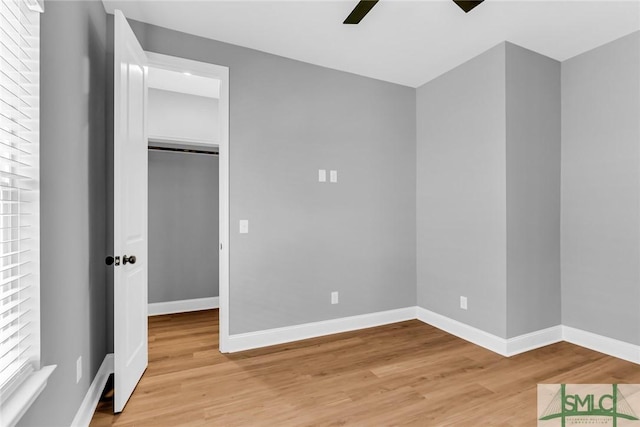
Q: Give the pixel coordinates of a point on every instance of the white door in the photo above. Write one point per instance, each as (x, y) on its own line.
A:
(130, 212)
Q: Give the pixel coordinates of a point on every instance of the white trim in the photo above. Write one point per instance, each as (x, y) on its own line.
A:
(612, 347)
(531, 341)
(464, 331)
(91, 399)
(183, 306)
(534, 340)
(250, 340)
(505, 347)
(36, 5)
(224, 202)
(221, 73)
(23, 397)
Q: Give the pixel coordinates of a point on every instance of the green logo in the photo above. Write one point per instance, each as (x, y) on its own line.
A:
(588, 404)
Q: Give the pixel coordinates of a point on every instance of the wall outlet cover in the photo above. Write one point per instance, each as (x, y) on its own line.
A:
(322, 175)
(244, 226)
(463, 303)
(333, 176)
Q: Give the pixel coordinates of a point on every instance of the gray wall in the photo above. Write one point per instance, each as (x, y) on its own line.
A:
(287, 120)
(488, 192)
(183, 226)
(73, 239)
(601, 190)
(461, 193)
(533, 191)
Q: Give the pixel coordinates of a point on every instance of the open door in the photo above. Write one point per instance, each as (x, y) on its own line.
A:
(130, 212)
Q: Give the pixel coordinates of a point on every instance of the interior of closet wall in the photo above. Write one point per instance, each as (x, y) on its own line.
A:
(183, 197)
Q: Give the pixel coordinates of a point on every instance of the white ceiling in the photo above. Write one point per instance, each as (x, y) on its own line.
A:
(405, 42)
(183, 83)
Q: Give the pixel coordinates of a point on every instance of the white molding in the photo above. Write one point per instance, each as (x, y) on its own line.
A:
(464, 331)
(91, 399)
(505, 347)
(251, 340)
(13, 408)
(221, 73)
(612, 347)
(533, 340)
(183, 306)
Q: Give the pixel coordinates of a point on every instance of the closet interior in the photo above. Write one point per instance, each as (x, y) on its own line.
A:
(183, 132)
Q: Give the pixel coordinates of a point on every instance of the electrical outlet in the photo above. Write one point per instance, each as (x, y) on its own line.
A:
(78, 369)
(463, 303)
(334, 297)
(244, 226)
(322, 175)
(333, 176)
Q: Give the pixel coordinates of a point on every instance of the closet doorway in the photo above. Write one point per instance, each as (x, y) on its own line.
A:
(188, 128)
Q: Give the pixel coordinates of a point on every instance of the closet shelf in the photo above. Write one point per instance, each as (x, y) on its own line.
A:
(174, 140)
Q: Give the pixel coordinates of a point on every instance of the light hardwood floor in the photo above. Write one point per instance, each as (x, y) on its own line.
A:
(407, 373)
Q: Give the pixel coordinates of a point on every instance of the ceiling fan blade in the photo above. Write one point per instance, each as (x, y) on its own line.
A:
(467, 5)
(362, 8)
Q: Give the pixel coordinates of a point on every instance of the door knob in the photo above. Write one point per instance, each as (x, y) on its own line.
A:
(129, 259)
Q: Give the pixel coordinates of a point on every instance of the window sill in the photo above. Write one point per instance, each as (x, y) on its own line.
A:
(20, 400)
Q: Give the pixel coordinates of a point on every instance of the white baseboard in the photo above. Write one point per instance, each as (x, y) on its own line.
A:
(505, 347)
(502, 346)
(183, 306)
(612, 347)
(464, 331)
(251, 340)
(533, 340)
(91, 399)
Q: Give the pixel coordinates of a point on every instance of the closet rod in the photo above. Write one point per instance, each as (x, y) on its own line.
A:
(184, 150)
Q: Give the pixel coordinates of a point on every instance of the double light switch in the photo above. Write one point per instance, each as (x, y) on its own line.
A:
(322, 175)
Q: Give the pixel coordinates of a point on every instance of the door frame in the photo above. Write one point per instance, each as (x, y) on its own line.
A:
(204, 69)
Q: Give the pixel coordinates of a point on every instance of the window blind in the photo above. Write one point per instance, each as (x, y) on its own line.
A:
(19, 193)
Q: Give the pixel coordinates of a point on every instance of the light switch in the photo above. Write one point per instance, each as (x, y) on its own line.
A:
(333, 176)
(78, 369)
(244, 226)
(322, 175)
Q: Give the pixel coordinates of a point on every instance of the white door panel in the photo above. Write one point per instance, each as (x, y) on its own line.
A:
(130, 211)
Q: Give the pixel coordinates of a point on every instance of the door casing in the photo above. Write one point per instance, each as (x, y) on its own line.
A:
(220, 73)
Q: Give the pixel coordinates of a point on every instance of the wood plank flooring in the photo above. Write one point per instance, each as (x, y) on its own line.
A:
(407, 373)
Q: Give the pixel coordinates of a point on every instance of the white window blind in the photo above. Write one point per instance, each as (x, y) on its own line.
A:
(19, 193)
